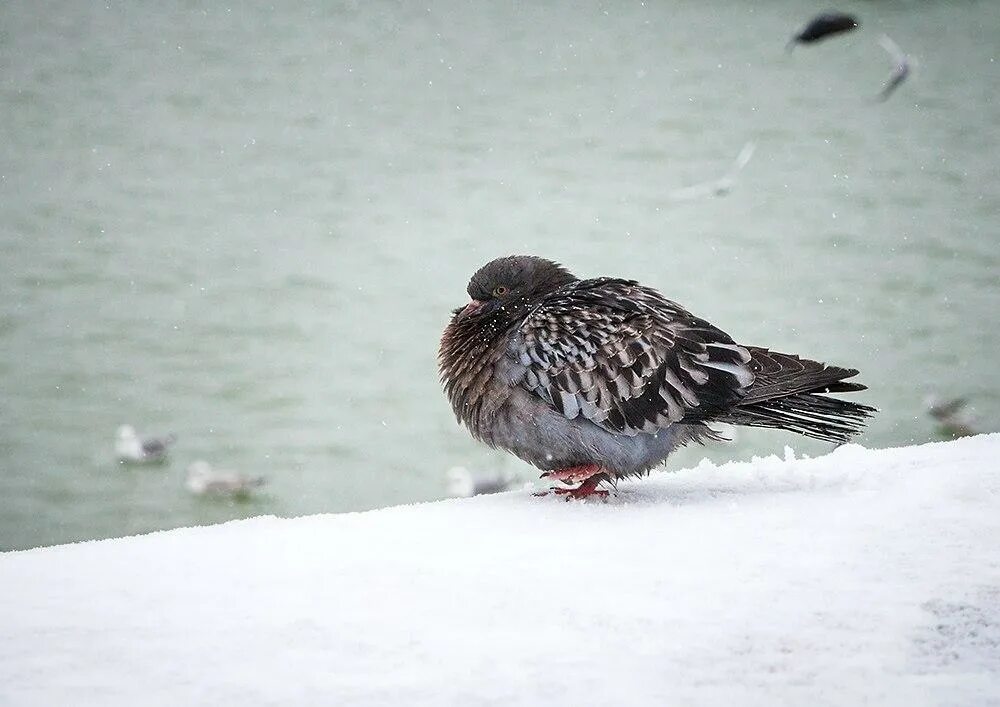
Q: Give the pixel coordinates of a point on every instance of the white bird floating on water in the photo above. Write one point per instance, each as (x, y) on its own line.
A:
(463, 483)
(900, 70)
(202, 479)
(134, 449)
(717, 187)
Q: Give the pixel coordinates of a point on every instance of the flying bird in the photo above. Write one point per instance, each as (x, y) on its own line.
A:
(826, 24)
(131, 448)
(717, 187)
(202, 479)
(900, 68)
(595, 380)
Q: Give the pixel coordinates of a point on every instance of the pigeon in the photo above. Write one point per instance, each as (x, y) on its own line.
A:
(203, 479)
(597, 380)
(900, 68)
(824, 25)
(464, 484)
(133, 449)
(721, 186)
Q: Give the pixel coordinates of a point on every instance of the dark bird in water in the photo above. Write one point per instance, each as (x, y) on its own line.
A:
(822, 26)
(952, 420)
(900, 67)
(596, 380)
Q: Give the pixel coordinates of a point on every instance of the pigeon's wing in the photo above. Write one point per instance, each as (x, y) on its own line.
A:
(627, 359)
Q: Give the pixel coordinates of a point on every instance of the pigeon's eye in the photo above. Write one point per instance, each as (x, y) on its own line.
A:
(500, 291)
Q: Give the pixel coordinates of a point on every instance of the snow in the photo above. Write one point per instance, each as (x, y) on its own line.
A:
(861, 577)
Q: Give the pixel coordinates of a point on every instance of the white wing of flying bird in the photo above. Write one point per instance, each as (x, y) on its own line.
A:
(892, 48)
(741, 161)
(900, 70)
(717, 187)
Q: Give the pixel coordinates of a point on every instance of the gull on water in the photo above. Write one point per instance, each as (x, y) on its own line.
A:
(463, 483)
(900, 70)
(717, 187)
(202, 479)
(952, 419)
(132, 448)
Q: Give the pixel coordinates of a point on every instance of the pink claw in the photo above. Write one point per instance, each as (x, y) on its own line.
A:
(585, 490)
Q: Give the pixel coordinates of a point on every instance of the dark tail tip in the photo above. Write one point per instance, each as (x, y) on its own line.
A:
(816, 416)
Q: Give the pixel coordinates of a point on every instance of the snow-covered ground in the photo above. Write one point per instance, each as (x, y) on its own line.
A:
(862, 577)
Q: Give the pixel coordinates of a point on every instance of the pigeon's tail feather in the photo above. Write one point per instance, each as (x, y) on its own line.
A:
(777, 375)
(808, 414)
(786, 395)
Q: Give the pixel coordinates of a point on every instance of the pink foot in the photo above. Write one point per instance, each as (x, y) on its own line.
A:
(572, 474)
(585, 490)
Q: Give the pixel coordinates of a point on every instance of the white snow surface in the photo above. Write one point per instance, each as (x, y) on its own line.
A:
(861, 577)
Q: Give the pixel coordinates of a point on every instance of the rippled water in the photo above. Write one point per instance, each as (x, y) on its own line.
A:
(248, 226)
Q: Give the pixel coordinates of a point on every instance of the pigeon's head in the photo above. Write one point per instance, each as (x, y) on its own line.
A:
(511, 284)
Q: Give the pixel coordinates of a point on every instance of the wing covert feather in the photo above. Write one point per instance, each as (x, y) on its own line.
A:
(627, 359)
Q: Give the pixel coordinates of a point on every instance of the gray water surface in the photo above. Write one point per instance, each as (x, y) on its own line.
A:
(248, 226)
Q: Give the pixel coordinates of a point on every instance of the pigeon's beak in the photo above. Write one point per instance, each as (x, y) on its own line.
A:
(473, 307)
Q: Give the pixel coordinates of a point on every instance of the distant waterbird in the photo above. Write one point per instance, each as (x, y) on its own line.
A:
(826, 24)
(901, 65)
(462, 483)
(132, 448)
(597, 380)
(202, 480)
(952, 419)
(717, 187)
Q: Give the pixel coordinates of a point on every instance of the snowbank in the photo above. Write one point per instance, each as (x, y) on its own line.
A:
(860, 577)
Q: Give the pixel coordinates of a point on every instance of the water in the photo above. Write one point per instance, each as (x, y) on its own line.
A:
(248, 226)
